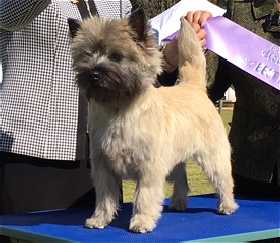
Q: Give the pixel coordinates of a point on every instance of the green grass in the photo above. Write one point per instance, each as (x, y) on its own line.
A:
(196, 178)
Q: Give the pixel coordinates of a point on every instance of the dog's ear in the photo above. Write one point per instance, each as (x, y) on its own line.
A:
(137, 21)
(74, 26)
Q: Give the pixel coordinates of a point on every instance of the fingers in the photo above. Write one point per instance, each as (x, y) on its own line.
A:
(189, 17)
(198, 17)
(196, 27)
(201, 34)
(204, 16)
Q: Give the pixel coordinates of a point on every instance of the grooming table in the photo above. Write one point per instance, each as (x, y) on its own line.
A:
(200, 222)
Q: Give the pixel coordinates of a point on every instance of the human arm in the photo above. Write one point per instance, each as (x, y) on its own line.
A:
(222, 80)
(15, 14)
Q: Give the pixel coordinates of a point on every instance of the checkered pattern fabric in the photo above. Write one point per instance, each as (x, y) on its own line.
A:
(38, 95)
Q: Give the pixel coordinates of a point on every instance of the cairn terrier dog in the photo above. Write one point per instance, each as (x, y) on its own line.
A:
(143, 132)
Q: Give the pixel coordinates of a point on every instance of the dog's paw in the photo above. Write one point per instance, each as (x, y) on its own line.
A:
(179, 204)
(142, 223)
(228, 208)
(96, 222)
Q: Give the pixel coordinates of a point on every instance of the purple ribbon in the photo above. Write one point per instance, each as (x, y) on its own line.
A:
(171, 37)
(244, 49)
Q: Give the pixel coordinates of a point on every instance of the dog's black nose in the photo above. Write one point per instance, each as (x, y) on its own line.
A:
(95, 75)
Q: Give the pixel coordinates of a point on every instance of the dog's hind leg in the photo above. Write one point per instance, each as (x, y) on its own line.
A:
(217, 166)
(107, 190)
(181, 188)
(148, 202)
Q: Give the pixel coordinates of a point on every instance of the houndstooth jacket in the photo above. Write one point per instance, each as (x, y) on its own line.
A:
(39, 98)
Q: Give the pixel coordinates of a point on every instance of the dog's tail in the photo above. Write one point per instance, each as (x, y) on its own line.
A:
(192, 63)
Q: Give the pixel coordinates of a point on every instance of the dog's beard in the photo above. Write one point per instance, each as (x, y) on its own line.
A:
(111, 83)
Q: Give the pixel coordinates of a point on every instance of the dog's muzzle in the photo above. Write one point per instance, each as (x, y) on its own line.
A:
(96, 75)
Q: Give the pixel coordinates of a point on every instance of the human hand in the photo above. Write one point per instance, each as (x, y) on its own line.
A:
(197, 19)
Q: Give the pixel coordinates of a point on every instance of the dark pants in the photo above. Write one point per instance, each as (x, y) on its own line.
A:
(253, 189)
(32, 184)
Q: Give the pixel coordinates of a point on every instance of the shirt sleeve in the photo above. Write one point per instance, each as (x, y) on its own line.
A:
(223, 80)
(15, 14)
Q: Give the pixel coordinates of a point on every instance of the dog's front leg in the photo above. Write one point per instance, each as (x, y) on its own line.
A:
(148, 203)
(107, 189)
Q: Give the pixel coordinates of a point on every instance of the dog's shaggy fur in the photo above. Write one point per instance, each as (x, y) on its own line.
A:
(143, 132)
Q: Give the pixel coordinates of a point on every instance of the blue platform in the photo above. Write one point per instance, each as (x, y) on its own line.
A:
(200, 222)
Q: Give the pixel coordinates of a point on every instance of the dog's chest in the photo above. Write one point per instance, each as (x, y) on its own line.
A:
(124, 147)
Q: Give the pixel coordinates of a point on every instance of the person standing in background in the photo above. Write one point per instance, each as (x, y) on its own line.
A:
(42, 165)
(1, 73)
(255, 130)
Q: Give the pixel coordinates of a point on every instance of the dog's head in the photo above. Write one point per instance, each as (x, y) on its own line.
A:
(115, 60)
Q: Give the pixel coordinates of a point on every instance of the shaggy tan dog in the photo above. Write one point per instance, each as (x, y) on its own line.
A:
(143, 132)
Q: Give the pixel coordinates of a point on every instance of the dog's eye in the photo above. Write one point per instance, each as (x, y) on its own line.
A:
(116, 57)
